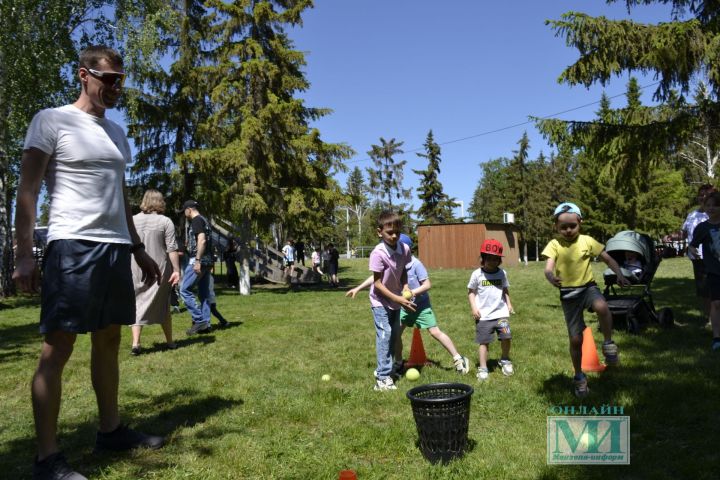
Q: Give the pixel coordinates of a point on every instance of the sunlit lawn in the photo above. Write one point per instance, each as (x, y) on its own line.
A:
(248, 401)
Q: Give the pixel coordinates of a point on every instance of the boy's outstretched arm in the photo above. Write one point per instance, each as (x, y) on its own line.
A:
(425, 285)
(354, 291)
(550, 273)
(610, 262)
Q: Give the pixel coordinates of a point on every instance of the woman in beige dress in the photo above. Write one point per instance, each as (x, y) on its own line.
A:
(152, 302)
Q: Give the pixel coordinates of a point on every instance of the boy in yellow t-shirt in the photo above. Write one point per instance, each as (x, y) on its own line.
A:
(568, 267)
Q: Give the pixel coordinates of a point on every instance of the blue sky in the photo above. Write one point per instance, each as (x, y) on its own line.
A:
(398, 68)
(463, 68)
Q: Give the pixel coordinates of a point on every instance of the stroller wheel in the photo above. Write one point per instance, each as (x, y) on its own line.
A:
(665, 317)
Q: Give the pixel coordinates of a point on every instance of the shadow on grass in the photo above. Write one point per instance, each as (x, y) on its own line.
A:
(668, 386)
(14, 337)
(19, 301)
(205, 339)
(189, 408)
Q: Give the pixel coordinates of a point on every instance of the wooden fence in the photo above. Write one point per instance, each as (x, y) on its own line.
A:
(457, 245)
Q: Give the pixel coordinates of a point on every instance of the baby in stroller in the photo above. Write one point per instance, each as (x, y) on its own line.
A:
(634, 265)
(638, 260)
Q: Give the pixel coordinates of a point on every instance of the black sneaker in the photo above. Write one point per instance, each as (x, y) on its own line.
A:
(55, 467)
(136, 350)
(223, 323)
(124, 438)
(198, 328)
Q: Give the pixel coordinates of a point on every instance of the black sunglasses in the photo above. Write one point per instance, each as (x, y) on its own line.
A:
(111, 79)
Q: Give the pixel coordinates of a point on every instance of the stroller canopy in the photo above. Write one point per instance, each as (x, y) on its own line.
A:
(632, 241)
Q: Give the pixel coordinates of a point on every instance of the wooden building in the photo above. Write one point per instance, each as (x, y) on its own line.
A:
(457, 245)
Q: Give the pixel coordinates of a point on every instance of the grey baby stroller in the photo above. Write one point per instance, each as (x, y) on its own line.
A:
(632, 308)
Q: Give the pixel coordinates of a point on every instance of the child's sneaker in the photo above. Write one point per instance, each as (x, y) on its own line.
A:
(383, 385)
(482, 374)
(581, 387)
(610, 350)
(507, 367)
(462, 365)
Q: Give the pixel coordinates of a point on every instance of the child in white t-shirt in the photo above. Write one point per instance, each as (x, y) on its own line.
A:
(316, 260)
(490, 306)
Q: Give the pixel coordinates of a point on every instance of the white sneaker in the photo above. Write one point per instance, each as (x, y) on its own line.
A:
(482, 374)
(462, 365)
(383, 385)
(507, 367)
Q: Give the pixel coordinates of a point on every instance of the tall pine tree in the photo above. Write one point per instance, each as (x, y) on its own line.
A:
(167, 104)
(262, 163)
(436, 206)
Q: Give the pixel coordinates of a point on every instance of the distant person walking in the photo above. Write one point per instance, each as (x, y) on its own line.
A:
(316, 259)
(695, 218)
(152, 302)
(300, 252)
(230, 257)
(333, 265)
(197, 272)
(707, 234)
(288, 258)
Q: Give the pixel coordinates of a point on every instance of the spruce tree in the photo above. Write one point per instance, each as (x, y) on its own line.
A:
(166, 104)
(262, 163)
(677, 51)
(436, 206)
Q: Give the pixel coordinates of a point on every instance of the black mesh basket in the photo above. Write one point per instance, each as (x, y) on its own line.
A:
(442, 415)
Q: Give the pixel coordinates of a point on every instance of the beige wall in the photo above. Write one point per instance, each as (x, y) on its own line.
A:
(457, 245)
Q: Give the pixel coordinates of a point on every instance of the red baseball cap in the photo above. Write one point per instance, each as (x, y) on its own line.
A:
(492, 247)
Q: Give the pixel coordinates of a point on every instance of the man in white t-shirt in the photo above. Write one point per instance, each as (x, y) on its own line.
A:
(87, 281)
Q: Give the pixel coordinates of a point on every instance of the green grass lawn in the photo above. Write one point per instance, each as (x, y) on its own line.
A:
(248, 401)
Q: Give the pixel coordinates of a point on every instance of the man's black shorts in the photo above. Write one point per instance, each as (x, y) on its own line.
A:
(86, 286)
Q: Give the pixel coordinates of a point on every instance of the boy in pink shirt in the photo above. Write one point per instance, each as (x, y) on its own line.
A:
(387, 263)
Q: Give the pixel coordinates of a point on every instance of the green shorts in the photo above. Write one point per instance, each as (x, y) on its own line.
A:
(424, 318)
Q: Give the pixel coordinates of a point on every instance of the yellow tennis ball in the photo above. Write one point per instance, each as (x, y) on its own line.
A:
(325, 378)
(407, 294)
(412, 374)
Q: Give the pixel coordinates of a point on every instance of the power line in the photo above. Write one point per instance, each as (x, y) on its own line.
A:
(509, 127)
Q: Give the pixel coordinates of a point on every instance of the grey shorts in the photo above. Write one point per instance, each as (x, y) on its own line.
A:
(86, 286)
(574, 303)
(485, 330)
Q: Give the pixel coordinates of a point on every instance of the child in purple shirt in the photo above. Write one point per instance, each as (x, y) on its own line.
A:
(387, 263)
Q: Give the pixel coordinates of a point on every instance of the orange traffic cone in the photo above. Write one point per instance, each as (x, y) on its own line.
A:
(347, 475)
(417, 351)
(590, 360)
